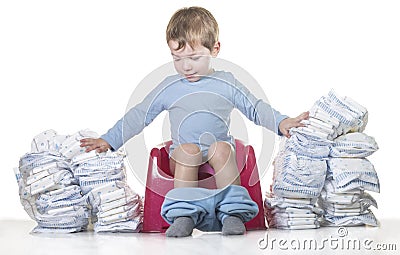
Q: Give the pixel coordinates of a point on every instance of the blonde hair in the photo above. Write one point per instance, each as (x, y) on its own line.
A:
(193, 25)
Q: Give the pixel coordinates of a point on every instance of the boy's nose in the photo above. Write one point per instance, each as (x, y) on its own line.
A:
(186, 64)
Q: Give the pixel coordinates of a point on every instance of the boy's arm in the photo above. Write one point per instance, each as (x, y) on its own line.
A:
(257, 110)
(262, 113)
(114, 135)
(136, 119)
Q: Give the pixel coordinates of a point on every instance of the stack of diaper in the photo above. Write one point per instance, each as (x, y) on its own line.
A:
(350, 175)
(118, 208)
(299, 175)
(305, 160)
(297, 183)
(56, 179)
(67, 146)
(291, 213)
(115, 207)
(48, 190)
(94, 169)
(343, 114)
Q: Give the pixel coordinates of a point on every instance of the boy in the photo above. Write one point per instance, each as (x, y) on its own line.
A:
(199, 101)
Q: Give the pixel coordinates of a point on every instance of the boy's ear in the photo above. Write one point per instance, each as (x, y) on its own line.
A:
(216, 48)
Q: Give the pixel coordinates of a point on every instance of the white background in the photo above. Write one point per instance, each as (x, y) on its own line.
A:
(70, 65)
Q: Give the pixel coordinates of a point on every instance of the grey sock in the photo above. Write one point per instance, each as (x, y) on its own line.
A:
(233, 226)
(182, 226)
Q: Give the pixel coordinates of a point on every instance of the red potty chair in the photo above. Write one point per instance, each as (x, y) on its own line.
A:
(160, 181)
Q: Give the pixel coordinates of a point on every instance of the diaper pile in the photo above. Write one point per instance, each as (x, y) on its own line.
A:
(305, 170)
(344, 197)
(48, 190)
(297, 182)
(291, 213)
(115, 206)
(56, 198)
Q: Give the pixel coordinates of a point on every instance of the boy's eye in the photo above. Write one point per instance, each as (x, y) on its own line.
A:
(195, 57)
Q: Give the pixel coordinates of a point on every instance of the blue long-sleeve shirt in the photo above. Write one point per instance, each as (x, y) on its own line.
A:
(199, 112)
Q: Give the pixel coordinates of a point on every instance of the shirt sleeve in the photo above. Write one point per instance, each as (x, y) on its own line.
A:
(255, 109)
(137, 118)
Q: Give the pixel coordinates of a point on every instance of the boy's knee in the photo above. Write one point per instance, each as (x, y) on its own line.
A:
(187, 154)
(220, 151)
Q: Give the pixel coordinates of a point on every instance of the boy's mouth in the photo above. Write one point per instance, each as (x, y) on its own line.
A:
(190, 75)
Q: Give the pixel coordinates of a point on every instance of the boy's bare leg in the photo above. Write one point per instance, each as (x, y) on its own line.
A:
(184, 164)
(222, 158)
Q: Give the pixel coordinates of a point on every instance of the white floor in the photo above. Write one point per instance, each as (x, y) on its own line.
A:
(15, 238)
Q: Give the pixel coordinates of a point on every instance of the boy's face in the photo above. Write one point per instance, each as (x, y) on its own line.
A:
(192, 63)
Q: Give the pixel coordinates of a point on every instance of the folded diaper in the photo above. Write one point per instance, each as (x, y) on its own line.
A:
(354, 220)
(350, 173)
(59, 179)
(342, 112)
(310, 133)
(302, 145)
(94, 194)
(132, 212)
(131, 226)
(133, 199)
(285, 213)
(38, 176)
(70, 147)
(61, 198)
(44, 141)
(298, 176)
(353, 145)
(272, 201)
(95, 170)
(72, 217)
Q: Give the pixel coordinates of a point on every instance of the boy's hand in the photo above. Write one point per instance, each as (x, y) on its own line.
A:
(97, 144)
(288, 123)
